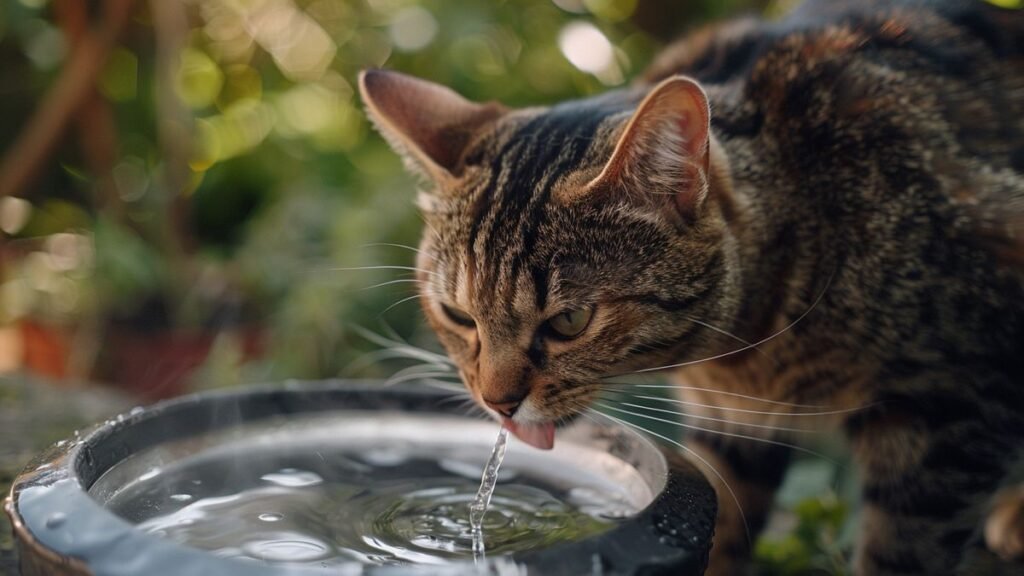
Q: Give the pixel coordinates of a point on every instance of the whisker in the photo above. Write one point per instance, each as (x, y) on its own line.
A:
(721, 432)
(399, 303)
(713, 419)
(388, 267)
(370, 358)
(394, 245)
(691, 452)
(390, 282)
(412, 376)
(397, 344)
(722, 392)
(747, 410)
(745, 348)
(731, 335)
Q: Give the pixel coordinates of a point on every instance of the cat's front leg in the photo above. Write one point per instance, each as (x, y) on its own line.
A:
(930, 460)
(745, 475)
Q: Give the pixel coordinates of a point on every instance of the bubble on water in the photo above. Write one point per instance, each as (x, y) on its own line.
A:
(56, 520)
(289, 549)
(292, 478)
(181, 497)
(385, 456)
(271, 517)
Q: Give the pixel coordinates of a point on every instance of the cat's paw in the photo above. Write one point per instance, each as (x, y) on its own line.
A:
(1004, 528)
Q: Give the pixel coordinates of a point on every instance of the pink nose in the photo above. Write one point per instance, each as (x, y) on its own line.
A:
(506, 409)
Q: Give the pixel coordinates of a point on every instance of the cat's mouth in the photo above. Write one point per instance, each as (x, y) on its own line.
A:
(539, 435)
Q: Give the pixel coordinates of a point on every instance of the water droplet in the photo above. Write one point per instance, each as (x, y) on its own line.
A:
(292, 478)
(136, 411)
(61, 443)
(181, 497)
(271, 517)
(56, 520)
(287, 550)
(197, 482)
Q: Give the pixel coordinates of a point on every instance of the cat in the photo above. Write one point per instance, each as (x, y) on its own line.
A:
(825, 210)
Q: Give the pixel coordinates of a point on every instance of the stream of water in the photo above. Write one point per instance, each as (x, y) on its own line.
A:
(489, 479)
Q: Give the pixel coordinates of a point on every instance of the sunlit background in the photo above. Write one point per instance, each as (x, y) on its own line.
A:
(187, 186)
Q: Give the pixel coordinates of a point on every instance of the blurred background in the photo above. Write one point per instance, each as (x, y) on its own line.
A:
(182, 182)
(190, 194)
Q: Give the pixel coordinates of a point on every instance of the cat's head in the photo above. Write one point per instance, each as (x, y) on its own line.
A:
(563, 245)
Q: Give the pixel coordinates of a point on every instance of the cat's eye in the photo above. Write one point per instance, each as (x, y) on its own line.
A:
(571, 323)
(457, 316)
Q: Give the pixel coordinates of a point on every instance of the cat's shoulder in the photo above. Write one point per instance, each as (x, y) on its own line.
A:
(951, 33)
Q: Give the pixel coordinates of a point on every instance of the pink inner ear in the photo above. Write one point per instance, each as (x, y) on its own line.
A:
(431, 121)
(664, 144)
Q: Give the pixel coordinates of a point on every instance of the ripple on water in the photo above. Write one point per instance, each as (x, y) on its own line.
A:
(309, 512)
(287, 547)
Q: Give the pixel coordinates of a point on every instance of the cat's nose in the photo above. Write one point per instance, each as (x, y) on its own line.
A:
(507, 407)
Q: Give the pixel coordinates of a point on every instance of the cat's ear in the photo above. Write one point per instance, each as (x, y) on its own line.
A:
(664, 148)
(429, 125)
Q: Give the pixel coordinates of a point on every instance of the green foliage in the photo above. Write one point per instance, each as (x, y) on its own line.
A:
(812, 523)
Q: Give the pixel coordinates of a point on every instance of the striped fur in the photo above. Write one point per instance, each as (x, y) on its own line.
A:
(864, 181)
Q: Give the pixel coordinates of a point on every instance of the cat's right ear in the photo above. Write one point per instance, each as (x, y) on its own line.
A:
(664, 149)
(429, 125)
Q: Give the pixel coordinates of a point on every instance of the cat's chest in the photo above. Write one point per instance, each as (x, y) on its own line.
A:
(765, 387)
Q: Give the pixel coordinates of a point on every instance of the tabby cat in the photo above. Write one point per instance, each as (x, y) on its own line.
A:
(825, 210)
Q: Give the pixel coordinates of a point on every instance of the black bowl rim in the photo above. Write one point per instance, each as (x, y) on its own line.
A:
(672, 535)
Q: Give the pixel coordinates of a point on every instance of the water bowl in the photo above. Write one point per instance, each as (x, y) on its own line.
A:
(351, 478)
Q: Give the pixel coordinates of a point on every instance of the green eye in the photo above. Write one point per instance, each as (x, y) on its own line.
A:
(458, 316)
(571, 323)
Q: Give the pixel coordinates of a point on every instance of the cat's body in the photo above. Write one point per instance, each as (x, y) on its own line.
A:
(856, 208)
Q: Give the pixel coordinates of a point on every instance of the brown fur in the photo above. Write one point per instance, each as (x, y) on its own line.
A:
(855, 208)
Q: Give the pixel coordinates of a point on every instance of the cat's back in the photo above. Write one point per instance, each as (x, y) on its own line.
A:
(934, 85)
(948, 33)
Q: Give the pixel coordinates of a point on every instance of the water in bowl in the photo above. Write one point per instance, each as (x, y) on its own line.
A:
(332, 506)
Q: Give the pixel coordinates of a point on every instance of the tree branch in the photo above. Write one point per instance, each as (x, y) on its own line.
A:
(76, 82)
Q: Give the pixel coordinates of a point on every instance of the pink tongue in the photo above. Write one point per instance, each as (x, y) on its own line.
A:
(537, 435)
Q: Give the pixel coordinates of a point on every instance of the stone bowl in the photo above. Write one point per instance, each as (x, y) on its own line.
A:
(62, 525)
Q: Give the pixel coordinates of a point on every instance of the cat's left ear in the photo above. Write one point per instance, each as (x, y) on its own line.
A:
(664, 148)
(429, 125)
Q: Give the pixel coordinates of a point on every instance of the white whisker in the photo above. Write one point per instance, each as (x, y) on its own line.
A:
(394, 245)
(722, 420)
(391, 282)
(735, 499)
(745, 348)
(731, 335)
(389, 267)
(746, 410)
(399, 303)
(720, 432)
(722, 392)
